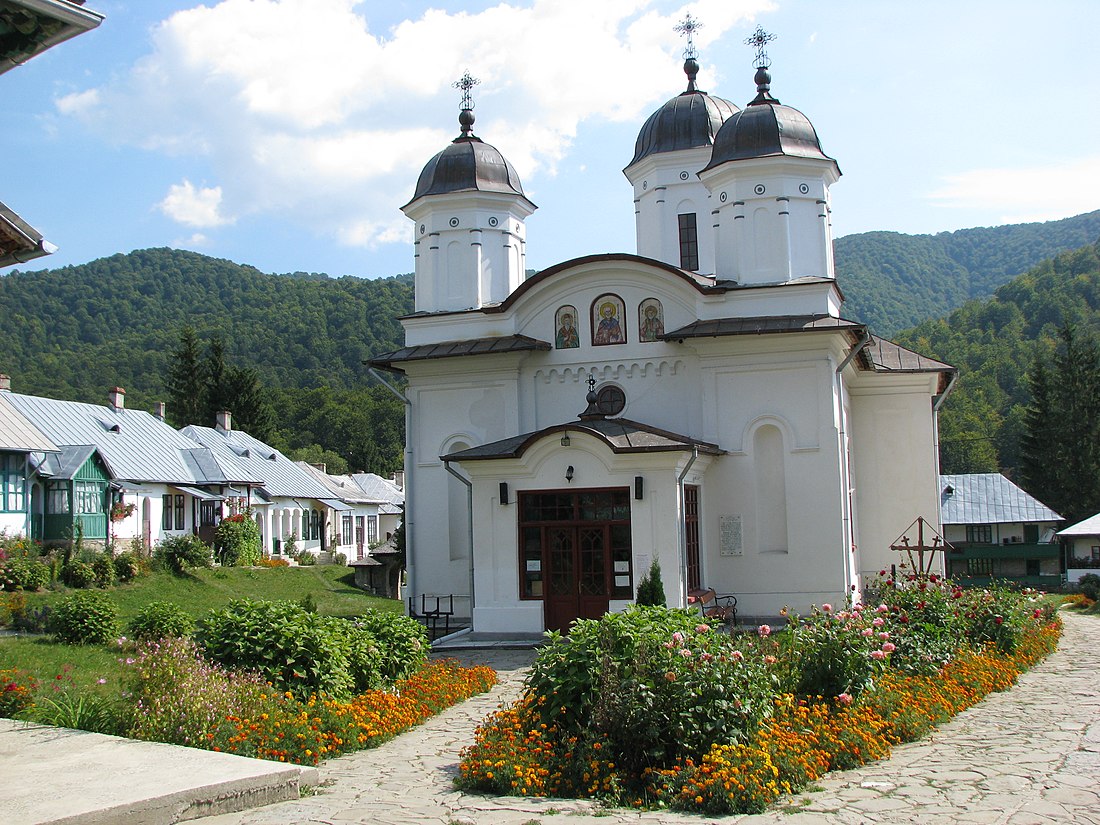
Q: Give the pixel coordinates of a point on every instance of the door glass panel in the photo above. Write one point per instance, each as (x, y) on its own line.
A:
(593, 574)
(559, 558)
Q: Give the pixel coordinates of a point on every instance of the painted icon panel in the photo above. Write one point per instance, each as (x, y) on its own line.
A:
(608, 312)
(565, 323)
(651, 320)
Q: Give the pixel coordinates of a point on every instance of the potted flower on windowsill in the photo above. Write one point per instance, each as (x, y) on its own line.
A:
(121, 511)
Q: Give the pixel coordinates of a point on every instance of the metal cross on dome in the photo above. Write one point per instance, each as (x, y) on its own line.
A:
(687, 28)
(760, 39)
(466, 83)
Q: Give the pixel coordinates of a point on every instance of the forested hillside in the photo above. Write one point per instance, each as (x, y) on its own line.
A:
(74, 332)
(995, 343)
(893, 281)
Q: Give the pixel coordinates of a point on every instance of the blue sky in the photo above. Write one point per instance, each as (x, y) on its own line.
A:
(285, 134)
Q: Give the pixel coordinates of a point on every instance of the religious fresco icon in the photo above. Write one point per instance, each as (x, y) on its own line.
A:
(565, 322)
(608, 312)
(651, 320)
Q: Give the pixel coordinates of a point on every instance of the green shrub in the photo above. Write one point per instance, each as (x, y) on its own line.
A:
(296, 651)
(160, 620)
(651, 590)
(305, 558)
(80, 710)
(830, 653)
(237, 541)
(24, 573)
(78, 574)
(127, 567)
(85, 618)
(402, 642)
(103, 565)
(177, 553)
(649, 684)
(1089, 585)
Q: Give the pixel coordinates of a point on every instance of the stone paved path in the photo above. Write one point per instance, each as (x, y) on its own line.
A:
(1029, 756)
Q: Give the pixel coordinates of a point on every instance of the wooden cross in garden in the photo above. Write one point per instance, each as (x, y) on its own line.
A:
(903, 544)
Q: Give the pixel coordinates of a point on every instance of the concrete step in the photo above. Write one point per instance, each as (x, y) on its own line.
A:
(60, 776)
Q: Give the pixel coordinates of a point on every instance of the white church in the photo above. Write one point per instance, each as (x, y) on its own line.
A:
(703, 403)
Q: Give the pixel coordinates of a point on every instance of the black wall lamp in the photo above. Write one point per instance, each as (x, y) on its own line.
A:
(504, 492)
(569, 473)
(638, 488)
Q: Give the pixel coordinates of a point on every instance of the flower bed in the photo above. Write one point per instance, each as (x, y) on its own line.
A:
(650, 709)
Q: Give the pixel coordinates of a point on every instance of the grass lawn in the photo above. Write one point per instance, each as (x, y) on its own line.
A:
(197, 592)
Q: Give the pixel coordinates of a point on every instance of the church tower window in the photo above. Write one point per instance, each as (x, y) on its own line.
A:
(689, 242)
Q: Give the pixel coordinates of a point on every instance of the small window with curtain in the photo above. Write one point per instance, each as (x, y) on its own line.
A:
(181, 521)
(372, 529)
(689, 242)
(345, 529)
(166, 512)
(315, 525)
(207, 513)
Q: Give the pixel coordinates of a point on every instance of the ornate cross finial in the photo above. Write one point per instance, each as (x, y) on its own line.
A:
(687, 28)
(466, 83)
(760, 39)
(591, 381)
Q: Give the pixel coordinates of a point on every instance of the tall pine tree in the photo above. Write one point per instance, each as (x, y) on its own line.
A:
(185, 382)
(1060, 449)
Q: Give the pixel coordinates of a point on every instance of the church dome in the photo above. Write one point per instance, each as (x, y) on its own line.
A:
(687, 121)
(766, 128)
(468, 164)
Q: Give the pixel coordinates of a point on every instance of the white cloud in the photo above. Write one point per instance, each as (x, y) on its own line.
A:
(302, 110)
(194, 207)
(196, 241)
(1020, 195)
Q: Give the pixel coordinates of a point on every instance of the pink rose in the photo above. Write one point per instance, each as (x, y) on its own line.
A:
(866, 632)
(844, 698)
(764, 630)
(884, 635)
(877, 655)
(878, 621)
(888, 647)
(702, 628)
(685, 653)
(738, 655)
(826, 608)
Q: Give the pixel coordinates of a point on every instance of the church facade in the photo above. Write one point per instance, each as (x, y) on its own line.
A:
(702, 403)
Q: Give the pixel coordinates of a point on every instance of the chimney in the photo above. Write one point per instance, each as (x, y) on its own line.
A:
(322, 466)
(399, 479)
(225, 421)
(117, 396)
(5, 383)
(158, 410)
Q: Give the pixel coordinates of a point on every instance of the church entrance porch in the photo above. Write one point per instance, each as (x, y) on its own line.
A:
(575, 552)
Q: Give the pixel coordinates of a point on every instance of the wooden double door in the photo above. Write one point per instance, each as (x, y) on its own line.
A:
(581, 542)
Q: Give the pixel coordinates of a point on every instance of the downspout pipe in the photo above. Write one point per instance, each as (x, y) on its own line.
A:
(469, 527)
(683, 524)
(410, 541)
(845, 467)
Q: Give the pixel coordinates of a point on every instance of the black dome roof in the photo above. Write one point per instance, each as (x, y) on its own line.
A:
(687, 121)
(468, 164)
(765, 128)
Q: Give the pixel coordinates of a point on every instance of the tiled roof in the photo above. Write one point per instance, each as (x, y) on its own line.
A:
(18, 433)
(620, 434)
(761, 325)
(281, 476)
(452, 349)
(988, 498)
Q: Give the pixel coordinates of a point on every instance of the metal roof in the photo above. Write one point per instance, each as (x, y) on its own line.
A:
(135, 445)
(452, 349)
(19, 434)
(281, 476)
(761, 325)
(40, 24)
(687, 121)
(1088, 527)
(342, 487)
(380, 489)
(468, 164)
(19, 241)
(988, 498)
(65, 464)
(886, 356)
(620, 434)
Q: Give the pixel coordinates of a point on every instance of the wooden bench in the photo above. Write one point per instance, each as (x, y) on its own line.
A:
(714, 607)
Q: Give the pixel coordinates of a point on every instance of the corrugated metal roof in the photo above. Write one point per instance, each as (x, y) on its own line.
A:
(379, 489)
(988, 498)
(18, 433)
(135, 445)
(65, 464)
(621, 435)
(281, 476)
(1088, 527)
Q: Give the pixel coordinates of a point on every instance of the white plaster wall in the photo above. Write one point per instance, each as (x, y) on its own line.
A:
(894, 466)
(13, 524)
(654, 530)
